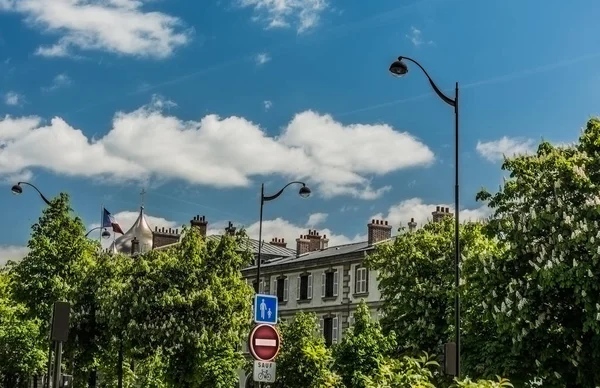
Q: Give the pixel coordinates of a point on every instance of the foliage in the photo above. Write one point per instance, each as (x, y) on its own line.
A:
(304, 361)
(543, 294)
(19, 355)
(363, 351)
(468, 383)
(417, 283)
(191, 302)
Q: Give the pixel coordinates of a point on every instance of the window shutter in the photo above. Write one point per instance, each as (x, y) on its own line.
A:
(322, 327)
(335, 283)
(274, 289)
(334, 330)
(285, 289)
(310, 286)
(356, 279)
(261, 287)
(366, 280)
(298, 288)
(323, 278)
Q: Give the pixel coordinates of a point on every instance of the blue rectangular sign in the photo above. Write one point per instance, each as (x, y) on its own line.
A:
(265, 309)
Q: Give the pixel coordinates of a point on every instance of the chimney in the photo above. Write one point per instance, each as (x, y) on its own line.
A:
(324, 242)
(440, 212)
(302, 245)
(135, 246)
(378, 230)
(412, 225)
(164, 236)
(230, 229)
(200, 223)
(278, 242)
(315, 240)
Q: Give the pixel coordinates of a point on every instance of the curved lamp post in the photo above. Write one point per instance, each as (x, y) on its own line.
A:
(399, 69)
(304, 192)
(18, 189)
(105, 233)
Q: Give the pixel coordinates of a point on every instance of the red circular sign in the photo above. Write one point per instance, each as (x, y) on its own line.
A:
(264, 342)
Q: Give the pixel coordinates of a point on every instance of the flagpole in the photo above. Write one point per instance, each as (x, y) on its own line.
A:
(101, 222)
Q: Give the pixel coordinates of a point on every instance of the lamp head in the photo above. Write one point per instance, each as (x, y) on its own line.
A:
(105, 234)
(16, 189)
(304, 192)
(398, 68)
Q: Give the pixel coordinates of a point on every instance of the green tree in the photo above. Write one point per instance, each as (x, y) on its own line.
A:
(53, 270)
(416, 280)
(304, 360)
(364, 351)
(20, 357)
(191, 303)
(544, 293)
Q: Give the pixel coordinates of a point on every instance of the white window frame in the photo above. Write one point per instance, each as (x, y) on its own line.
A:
(361, 284)
(309, 286)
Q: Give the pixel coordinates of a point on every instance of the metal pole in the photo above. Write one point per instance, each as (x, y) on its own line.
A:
(57, 364)
(262, 202)
(49, 369)
(456, 236)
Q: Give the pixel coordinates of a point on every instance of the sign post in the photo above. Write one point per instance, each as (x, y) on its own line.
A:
(265, 309)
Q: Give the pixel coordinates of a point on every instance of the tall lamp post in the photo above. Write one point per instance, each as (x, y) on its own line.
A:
(105, 233)
(399, 69)
(18, 189)
(304, 193)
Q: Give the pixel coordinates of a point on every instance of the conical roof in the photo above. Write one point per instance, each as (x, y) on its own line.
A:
(141, 231)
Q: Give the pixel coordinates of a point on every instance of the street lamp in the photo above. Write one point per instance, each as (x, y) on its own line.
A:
(399, 69)
(304, 192)
(18, 189)
(105, 233)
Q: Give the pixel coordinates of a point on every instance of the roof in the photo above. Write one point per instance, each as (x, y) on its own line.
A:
(267, 249)
(140, 230)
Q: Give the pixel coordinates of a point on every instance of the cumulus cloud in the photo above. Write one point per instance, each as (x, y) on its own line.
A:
(262, 58)
(120, 26)
(12, 252)
(147, 143)
(400, 214)
(316, 219)
(302, 14)
(60, 81)
(13, 98)
(495, 150)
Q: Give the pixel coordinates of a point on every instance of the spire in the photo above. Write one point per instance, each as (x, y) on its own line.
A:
(142, 195)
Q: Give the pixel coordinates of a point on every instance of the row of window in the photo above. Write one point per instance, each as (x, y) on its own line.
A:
(329, 285)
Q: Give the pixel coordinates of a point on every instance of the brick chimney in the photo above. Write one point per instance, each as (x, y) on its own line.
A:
(200, 223)
(230, 229)
(278, 242)
(412, 225)
(164, 236)
(302, 245)
(440, 212)
(135, 246)
(378, 230)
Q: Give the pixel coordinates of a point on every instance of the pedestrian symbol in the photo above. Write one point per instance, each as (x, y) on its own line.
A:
(265, 310)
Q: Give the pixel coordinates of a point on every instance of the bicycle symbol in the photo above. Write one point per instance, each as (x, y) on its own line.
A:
(264, 375)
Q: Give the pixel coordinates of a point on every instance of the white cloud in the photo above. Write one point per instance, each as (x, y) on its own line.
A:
(268, 104)
(147, 143)
(262, 58)
(400, 214)
(13, 99)
(281, 228)
(416, 37)
(126, 220)
(495, 150)
(302, 14)
(118, 26)
(12, 252)
(60, 81)
(316, 219)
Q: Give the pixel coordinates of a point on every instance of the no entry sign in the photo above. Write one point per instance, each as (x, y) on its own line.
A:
(264, 342)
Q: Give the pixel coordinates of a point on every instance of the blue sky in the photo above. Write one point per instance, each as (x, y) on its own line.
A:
(201, 102)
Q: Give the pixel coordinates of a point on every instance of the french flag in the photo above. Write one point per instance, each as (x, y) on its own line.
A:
(108, 221)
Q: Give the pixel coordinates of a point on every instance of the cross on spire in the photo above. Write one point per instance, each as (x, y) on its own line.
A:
(143, 194)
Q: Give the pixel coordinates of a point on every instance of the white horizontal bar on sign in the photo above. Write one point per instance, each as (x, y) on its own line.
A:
(265, 342)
